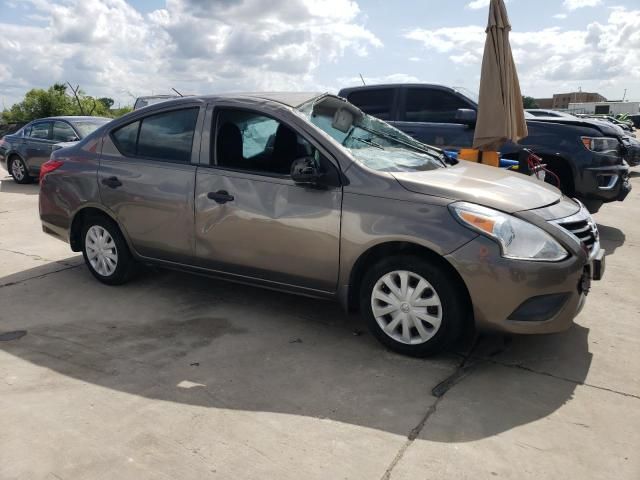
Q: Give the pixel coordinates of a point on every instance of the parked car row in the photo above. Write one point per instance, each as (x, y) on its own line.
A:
(308, 194)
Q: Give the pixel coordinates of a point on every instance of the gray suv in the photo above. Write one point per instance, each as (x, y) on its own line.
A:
(307, 194)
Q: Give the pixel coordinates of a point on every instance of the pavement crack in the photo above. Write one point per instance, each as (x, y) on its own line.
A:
(462, 371)
(564, 379)
(35, 257)
(410, 439)
(35, 277)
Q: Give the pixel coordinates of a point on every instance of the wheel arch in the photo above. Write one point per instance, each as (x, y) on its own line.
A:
(383, 250)
(10, 155)
(564, 168)
(87, 211)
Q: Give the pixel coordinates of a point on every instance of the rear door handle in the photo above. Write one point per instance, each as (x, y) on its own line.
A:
(112, 182)
(221, 196)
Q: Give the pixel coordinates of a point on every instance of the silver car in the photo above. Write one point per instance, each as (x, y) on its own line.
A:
(306, 193)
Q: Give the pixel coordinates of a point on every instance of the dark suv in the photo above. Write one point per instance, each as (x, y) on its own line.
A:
(588, 156)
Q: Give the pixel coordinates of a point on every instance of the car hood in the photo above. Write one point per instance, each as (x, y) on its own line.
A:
(489, 186)
(605, 127)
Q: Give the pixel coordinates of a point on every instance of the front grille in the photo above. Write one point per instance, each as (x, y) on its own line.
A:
(582, 226)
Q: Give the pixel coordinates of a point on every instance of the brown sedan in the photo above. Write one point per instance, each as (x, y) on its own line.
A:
(306, 193)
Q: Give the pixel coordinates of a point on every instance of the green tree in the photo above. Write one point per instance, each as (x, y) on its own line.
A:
(529, 102)
(59, 99)
(107, 102)
(39, 103)
(118, 112)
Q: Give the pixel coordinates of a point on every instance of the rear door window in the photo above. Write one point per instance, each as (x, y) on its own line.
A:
(62, 132)
(41, 131)
(432, 105)
(376, 102)
(166, 136)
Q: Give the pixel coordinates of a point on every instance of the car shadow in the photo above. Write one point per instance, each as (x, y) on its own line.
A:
(8, 185)
(193, 340)
(634, 174)
(611, 238)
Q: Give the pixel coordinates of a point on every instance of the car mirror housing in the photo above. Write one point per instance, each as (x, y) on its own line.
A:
(466, 116)
(305, 171)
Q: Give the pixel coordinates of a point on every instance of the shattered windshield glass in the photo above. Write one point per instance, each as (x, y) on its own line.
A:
(371, 141)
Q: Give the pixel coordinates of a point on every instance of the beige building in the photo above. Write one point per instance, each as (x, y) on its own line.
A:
(561, 101)
(545, 103)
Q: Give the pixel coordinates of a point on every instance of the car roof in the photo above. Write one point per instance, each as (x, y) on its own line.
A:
(289, 99)
(397, 85)
(70, 118)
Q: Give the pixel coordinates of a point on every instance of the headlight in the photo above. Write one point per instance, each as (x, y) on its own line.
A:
(518, 239)
(601, 144)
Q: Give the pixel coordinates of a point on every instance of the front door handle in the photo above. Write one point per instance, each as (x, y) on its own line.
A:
(221, 196)
(112, 182)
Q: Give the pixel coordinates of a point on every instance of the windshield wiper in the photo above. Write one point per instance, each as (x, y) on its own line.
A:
(369, 142)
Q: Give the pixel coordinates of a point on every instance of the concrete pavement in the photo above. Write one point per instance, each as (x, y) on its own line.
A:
(179, 376)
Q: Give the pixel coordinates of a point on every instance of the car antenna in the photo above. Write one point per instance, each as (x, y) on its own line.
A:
(363, 83)
(177, 91)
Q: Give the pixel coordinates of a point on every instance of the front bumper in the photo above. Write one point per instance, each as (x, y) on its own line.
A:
(608, 183)
(500, 289)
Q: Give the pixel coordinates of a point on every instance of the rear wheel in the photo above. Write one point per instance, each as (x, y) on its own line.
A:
(412, 306)
(18, 170)
(105, 251)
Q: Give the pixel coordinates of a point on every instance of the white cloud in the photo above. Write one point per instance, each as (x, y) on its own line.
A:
(560, 16)
(196, 46)
(601, 54)
(477, 4)
(575, 4)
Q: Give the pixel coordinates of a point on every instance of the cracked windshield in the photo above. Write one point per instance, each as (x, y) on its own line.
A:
(372, 142)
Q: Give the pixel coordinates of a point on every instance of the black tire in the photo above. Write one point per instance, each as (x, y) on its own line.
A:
(125, 263)
(453, 299)
(23, 178)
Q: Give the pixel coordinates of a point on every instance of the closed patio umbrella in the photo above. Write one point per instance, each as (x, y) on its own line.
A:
(500, 108)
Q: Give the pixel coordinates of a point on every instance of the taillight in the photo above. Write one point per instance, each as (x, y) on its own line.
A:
(49, 167)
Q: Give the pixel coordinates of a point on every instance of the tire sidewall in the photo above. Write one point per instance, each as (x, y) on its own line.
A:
(27, 178)
(454, 304)
(124, 265)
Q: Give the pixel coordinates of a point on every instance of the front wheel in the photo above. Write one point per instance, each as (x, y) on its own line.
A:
(105, 251)
(412, 306)
(19, 171)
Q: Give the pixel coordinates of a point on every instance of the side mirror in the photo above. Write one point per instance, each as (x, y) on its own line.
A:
(305, 171)
(71, 138)
(466, 116)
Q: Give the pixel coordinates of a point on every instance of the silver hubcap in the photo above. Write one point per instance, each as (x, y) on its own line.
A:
(101, 250)
(406, 307)
(17, 168)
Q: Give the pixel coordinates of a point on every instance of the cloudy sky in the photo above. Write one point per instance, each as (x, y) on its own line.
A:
(126, 48)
